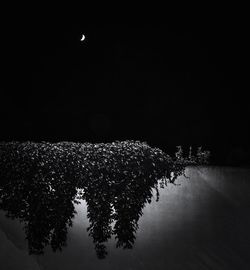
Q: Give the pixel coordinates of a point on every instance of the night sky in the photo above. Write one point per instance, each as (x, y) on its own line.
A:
(167, 85)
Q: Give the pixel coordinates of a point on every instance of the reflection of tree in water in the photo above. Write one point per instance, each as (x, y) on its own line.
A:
(120, 203)
(39, 183)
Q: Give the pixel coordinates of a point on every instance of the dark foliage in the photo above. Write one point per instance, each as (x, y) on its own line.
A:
(40, 182)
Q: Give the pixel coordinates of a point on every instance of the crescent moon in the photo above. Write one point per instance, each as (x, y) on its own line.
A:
(83, 37)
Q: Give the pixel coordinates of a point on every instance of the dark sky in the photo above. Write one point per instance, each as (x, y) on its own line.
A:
(167, 85)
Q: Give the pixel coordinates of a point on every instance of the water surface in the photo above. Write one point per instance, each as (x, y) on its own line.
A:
(203, 223)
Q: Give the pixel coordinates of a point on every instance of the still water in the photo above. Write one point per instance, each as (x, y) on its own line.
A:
(202, 222)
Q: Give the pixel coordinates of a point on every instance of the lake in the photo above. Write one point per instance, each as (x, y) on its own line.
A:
(202, 222)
